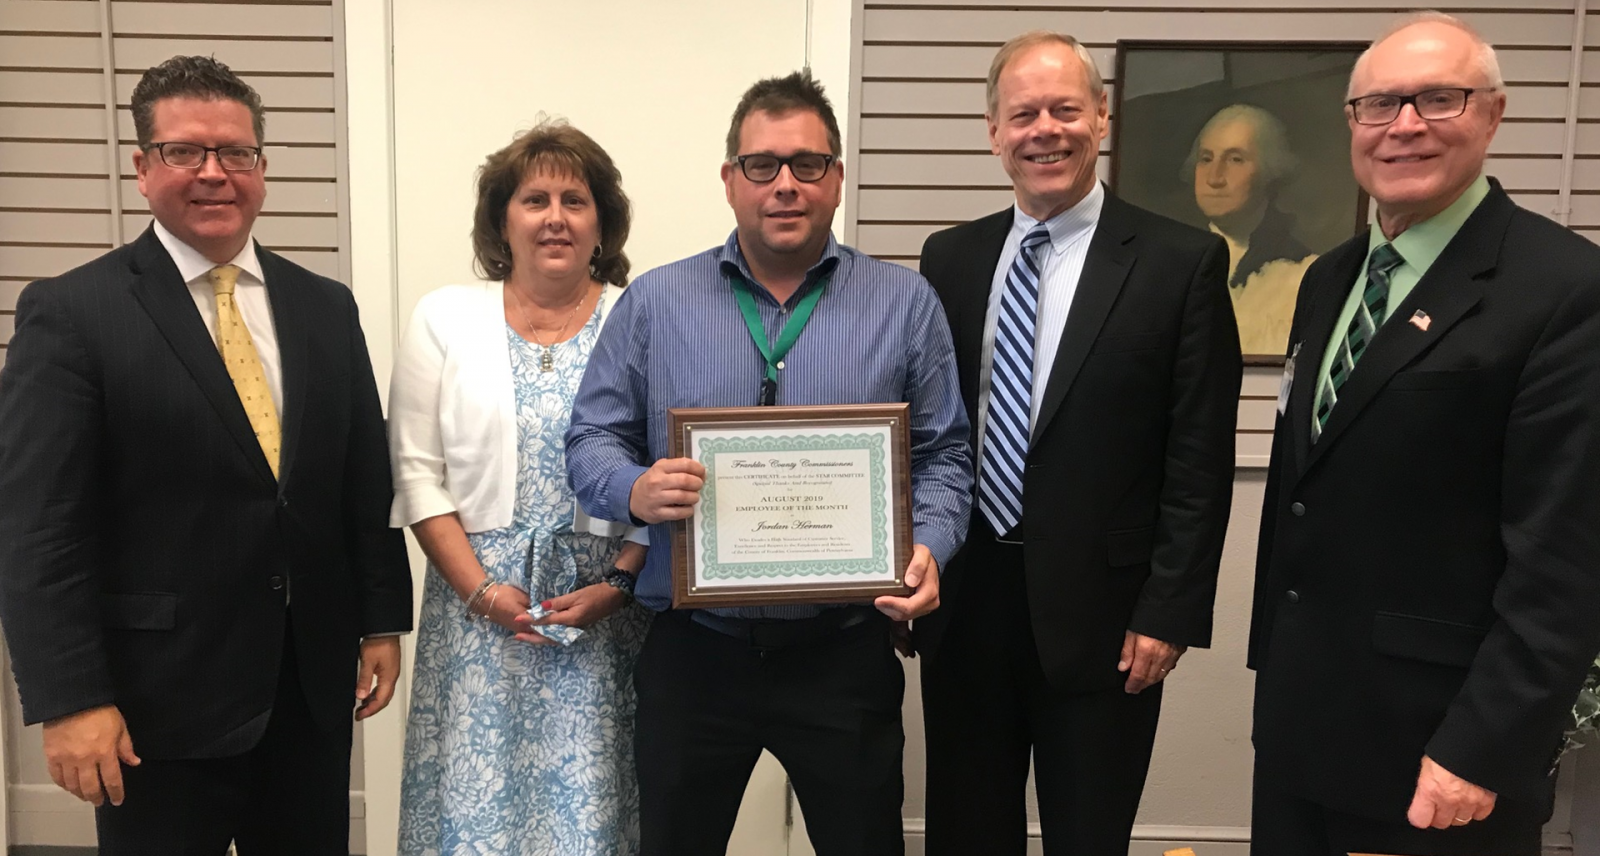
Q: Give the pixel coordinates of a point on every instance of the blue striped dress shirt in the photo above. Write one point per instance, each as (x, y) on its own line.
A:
(676, 339)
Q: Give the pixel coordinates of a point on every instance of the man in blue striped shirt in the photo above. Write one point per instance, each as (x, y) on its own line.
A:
(818, 687)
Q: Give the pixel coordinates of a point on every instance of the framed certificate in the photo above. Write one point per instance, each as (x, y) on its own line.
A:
(800, 505)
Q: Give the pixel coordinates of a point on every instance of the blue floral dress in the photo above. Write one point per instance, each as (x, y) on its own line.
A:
(515, 749)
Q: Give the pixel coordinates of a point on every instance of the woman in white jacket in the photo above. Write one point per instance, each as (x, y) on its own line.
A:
(520, 736)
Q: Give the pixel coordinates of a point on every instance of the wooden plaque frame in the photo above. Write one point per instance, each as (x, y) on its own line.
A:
(684, 421)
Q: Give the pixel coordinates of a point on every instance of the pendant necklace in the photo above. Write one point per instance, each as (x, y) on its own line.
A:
(547, 360)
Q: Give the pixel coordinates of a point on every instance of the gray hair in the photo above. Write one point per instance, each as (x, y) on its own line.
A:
(1275, 159)
(1488, 61)
(1034, 38)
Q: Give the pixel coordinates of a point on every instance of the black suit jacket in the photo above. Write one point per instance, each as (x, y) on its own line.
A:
(1428, 575)
(146, 551)
(1130, 473)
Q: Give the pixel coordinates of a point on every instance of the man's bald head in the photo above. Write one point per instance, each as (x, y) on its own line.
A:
(1432, 22)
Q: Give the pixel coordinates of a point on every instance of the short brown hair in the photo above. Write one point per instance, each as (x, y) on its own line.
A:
(1034, 38)
(559, 147)
(201, 77)
(780, 95)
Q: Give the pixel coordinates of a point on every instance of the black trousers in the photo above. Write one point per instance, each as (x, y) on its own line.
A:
(988, 710)
(828, 709)
(288, 796)
(1285, 824)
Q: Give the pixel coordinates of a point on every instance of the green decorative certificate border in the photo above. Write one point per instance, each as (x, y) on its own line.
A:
(710, 447)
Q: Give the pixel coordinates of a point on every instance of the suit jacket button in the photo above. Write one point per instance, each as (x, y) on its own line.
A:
(275, 582)
(1293, 596)
(283, 502)
(1298, 508)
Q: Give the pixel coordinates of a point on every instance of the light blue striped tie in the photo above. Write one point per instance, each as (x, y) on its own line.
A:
(1005, 431)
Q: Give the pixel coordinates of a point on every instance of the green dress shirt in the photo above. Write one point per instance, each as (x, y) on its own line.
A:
(1419, 246)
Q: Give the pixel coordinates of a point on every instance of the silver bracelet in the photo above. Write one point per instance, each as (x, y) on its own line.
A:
(478, 593)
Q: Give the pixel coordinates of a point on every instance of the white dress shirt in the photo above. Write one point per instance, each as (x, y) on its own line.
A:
(249, 294)
(1060, 267)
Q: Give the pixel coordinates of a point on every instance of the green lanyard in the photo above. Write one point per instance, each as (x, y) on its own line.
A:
(774, 353)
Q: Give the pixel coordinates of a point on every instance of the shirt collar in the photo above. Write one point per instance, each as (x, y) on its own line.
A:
(731, 260)
(1071, 225)
(1422, 244)
(192, 265)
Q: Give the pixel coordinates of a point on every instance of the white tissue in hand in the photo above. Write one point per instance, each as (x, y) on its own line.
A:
(561, 634)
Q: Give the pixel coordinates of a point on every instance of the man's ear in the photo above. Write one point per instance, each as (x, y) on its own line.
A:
(140, 165)
(728, 168)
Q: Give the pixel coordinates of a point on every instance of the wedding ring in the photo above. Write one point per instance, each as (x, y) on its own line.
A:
(1463, 821)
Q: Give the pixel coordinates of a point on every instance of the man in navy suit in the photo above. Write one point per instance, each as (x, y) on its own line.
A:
(194, 542)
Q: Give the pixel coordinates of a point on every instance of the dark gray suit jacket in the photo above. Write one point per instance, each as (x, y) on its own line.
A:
(146, 551)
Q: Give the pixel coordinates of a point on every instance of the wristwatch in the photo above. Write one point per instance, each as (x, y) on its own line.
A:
(619, 579)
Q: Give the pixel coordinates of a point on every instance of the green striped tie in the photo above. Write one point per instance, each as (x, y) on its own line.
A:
(1368, 318)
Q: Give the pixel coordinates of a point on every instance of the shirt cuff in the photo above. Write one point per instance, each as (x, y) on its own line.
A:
(619, 488)
(390, 633)
(938, 544)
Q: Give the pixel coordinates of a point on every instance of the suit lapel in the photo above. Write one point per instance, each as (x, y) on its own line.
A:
(973, 305)
(160, 290)
(290, 326)
(1105, 269)
(1447, 293)
(1324, 296)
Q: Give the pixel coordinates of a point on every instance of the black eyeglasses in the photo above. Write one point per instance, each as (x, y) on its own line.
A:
(1431, 104)
(806, 167)
(193, 156)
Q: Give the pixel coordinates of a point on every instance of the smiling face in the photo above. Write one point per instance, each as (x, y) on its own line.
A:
(783, 219)
(552, 226)
(1046, 126)
(1414, 168)
(1227, 170)
(210, 209)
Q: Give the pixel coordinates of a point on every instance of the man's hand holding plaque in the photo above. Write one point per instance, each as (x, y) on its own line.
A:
(922, 574)
(668, 490)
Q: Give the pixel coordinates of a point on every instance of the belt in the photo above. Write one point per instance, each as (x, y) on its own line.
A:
(784, 633)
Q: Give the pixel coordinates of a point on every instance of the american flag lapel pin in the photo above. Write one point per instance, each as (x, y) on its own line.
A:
(1421, 321)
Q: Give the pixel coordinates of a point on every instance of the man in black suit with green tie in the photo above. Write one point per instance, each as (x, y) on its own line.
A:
(1429, 567)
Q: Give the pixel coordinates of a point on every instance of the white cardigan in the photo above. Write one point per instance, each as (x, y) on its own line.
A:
(452, 413)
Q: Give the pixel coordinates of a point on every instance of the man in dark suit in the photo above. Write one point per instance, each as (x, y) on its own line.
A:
(1428, 573)
(187, 580)
(1100, 366)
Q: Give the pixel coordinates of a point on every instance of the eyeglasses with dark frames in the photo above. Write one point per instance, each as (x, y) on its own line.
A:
(193, 155)
(1430, 104)
(806, 167)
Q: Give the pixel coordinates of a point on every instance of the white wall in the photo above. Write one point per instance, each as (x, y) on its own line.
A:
(654, 83)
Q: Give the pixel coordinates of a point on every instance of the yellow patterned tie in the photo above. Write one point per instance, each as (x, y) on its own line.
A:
(244, 364)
